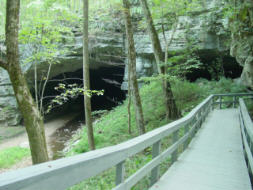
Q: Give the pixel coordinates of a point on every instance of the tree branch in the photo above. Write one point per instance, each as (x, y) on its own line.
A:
(3, 64)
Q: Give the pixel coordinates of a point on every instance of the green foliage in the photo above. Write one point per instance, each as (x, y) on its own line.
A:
(223, 86)
(240, 17)
(112, 128)
(168, 11)
(11, 156)
(185, 62)
(115, 122)
(187, 94)
(216, 69)
(45, 35)
(2, 19)
(106, 16)
(68, 92)
(181, 65)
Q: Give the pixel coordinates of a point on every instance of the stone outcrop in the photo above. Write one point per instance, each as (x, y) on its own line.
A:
(207, 29)
(242, 40)
(105, 51)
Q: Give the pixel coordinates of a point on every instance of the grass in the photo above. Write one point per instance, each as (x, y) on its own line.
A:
(11, 156)
(112, 128)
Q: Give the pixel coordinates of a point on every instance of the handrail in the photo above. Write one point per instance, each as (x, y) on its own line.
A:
(247, 135)
(235, 94)
(234, 101)
(66, 172)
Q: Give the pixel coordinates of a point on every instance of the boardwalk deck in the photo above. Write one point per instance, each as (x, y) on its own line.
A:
(214, 159)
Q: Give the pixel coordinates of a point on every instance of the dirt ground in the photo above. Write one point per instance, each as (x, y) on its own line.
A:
(21, 139)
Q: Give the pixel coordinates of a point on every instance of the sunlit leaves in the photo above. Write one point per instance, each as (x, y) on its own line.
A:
(2, 18)
(172, 9)
(70, 91)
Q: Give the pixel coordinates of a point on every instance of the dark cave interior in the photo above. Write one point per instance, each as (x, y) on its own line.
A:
(210, 70)
(108, 79)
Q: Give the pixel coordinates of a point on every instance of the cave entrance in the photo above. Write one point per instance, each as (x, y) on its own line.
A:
(108, 79)
(214, 67)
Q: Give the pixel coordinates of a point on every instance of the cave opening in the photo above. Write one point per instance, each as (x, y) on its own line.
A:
(108, 79)
(214, 67)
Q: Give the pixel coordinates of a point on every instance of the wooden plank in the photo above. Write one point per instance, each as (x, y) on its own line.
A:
(132, 180)
(220, 166)
(246, 119)
(246, 126)
(248, 152)
(220, 101)
(224, 102)
(120, 173)
(75, 169)
(175, 153)
(186, 130)
(155, 172)
(235, 94)
(234, 101)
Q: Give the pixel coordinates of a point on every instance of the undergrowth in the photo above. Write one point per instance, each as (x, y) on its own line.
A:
(11, 156)
(112, 128)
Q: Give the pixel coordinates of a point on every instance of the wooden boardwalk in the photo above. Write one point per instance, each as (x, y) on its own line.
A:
(214, 159)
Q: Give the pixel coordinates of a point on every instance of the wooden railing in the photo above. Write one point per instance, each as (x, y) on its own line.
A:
(233, 99)
(66, 172)
(247, 136)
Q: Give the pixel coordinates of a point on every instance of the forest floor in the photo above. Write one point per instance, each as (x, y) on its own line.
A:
(16, 136)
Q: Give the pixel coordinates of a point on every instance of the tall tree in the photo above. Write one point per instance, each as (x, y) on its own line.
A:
(171, 108)
(32, 118)
(132, 69)
(86, 75)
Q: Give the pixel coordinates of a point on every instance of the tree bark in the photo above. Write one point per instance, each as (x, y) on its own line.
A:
(86, 75)
(129, 103)
(132, 69)
(32, 118)
(171, 109)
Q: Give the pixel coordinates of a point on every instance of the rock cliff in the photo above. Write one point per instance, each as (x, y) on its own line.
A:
(241, 25)
(207, 28)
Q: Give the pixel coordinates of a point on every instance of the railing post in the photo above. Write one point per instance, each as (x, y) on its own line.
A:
(155, 172)
(120, 173)
(234, 101)
(220, 99)
(186, 130)
(204, 112)
(212, 104)
(195, 120)
(198, 121)
(200, 117)
(175, 153)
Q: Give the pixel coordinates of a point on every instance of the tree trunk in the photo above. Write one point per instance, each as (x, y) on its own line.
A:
(32, 118)
(86, 75)
(132, 69)
(171, 108)
(129, 103)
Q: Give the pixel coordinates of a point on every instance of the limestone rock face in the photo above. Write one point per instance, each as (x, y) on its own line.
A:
(105, 51)
(242, 41)
(207, 29)
(9, 114)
